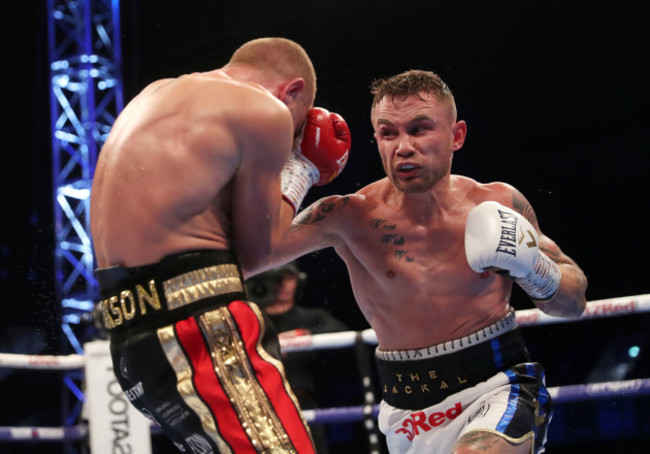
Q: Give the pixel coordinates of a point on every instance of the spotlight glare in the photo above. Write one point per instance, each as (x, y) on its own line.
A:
(633, 351)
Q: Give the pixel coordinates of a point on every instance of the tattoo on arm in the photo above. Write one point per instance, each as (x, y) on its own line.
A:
(551, 249)
(319, 211)
(522, 205)
(575, 290)
(546, 245)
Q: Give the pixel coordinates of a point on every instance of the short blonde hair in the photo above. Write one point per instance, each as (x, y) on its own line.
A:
(414, 82)
(283, 57)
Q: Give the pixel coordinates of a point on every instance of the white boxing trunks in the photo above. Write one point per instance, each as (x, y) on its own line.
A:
(482, 382)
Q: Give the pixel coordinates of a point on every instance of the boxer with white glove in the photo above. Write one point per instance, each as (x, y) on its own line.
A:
(497, 238)
(321, 157)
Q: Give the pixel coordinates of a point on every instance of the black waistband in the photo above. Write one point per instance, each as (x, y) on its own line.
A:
(417, 384)
(179, 285)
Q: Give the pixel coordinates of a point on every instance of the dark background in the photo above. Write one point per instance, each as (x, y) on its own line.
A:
(556, 98)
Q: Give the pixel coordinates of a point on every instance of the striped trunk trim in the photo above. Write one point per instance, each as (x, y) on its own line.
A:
(272, 377)
(236, 388)
(180, 362)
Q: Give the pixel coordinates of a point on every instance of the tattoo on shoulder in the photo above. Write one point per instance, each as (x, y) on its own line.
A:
(521, 205)
(320, 210)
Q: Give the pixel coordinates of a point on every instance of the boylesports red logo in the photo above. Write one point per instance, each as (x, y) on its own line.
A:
(419, 421)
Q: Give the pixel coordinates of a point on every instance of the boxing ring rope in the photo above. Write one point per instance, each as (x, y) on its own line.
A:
(529, 317)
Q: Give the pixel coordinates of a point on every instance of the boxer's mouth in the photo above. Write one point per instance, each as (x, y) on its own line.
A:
(407, 168)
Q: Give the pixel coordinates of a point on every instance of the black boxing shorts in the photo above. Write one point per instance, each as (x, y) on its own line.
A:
(413, 379)
(198, 359)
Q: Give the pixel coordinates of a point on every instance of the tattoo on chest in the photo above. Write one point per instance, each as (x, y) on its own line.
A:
(391, 238)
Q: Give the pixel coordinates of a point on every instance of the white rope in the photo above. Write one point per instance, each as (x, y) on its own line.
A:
(612, 307)
(560, 394)
(48, 362)
(70, 433)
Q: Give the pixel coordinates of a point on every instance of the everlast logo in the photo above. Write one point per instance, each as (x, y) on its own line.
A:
(419, 420)
(116, 310)
(508, 239)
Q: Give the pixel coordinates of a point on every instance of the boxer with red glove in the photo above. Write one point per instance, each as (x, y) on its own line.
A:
(320, 157)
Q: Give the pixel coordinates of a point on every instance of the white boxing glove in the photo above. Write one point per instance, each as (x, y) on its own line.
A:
(497, 238)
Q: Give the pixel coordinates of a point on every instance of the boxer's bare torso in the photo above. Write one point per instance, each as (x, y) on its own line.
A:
(187, 165)
(406, 259)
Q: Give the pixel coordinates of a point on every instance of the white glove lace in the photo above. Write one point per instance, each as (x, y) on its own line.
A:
(298, 176)
(543, 281)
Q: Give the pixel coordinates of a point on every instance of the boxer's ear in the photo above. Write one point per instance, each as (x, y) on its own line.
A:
(290, 91)
(459, 130)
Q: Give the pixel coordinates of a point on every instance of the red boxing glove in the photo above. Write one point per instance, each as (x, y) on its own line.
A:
(326, 143)
(323, 153)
